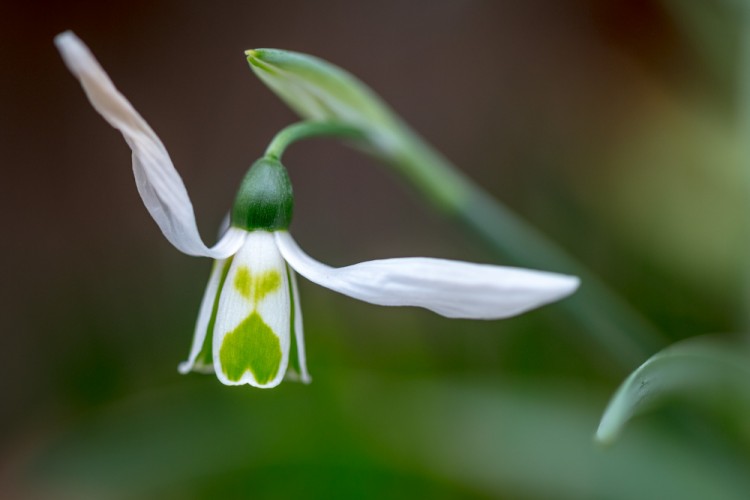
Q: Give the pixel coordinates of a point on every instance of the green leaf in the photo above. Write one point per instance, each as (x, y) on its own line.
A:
(468, 437)
(702, 369)
(529, 440)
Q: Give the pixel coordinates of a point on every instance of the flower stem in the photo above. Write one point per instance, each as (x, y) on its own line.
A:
(305, 130)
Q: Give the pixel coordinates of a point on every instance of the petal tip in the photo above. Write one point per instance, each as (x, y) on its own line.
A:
(293, 376)
(561, 287)
(72, 50)
(65, 37)
(247, 379)
(187, 366)
(571, 285)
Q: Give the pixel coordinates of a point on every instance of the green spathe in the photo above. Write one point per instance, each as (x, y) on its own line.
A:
(252, 346)
(319, 90)
(264, 200)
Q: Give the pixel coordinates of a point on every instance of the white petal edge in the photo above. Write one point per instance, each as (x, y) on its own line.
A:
(299, 336)
(159, 184)
(450, 288)
(259, 254)
(201, 325)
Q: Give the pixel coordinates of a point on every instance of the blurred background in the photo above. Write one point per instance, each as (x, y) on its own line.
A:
(614, 127)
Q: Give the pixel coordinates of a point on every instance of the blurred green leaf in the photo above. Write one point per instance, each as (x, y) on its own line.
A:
(367, 437)
(702, 369)
(713, 30)
(534, 441)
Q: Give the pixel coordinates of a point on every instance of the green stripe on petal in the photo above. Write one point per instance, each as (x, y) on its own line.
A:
(294, 365)
(297, 361)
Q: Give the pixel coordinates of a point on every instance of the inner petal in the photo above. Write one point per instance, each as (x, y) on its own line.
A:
(251, 335)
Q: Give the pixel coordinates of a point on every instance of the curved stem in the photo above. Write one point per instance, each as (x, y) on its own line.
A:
(308, 129)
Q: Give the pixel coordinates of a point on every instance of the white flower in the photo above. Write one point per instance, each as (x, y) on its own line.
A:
(249, 329)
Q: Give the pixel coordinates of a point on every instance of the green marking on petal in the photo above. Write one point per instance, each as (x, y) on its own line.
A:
(243, 282)
(253, 347)
(268, 282)
(255, 288)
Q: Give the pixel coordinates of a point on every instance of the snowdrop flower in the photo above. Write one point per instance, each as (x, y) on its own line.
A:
(249, 328)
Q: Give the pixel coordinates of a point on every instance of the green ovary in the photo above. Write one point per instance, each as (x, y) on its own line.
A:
(253, 347)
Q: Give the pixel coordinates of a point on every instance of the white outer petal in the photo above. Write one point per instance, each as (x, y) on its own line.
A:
(451, 288)
(159, 184)
(201, 325)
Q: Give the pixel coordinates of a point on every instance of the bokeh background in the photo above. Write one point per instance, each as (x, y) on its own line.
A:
(614, 127)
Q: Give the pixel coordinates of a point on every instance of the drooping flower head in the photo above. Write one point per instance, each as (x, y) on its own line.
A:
(249, 328)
